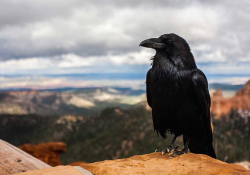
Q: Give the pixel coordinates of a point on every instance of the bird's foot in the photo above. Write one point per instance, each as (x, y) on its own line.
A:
(167, 150)
(176, 152)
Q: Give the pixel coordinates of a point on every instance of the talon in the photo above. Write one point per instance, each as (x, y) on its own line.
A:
(164, 151)
(157, 150)
(173, 154)
(169, 149)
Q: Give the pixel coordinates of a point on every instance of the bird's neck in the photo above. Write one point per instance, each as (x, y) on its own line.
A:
(161, 60)
(162, 66)
(164, 61)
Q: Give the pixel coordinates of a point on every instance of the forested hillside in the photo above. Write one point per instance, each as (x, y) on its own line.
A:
(118, 133)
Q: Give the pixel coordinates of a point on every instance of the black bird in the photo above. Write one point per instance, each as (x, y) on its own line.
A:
(177, 92)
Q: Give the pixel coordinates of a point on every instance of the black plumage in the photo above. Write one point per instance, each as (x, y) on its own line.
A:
(177, 92)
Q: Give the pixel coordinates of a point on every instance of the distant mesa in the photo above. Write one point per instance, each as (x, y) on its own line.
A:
(86, 101)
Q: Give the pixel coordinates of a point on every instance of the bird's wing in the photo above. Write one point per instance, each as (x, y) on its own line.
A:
(200, 84)
(148, 88)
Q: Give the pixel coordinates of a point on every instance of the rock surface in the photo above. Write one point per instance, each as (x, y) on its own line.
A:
(77, 163)
(155, 163)
(240, 102)
(46, 152)
(59, 170)
(245, 164)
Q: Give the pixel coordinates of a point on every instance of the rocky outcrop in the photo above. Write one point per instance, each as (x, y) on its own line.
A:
(245, 91)
(155, 163)
(219, 104)
(46, 152)
(240, 102)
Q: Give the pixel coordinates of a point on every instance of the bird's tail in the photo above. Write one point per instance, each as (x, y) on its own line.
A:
(201, 147)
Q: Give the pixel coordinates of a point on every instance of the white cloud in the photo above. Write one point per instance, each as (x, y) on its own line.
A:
(209, 56)
(72, 60)
(132, 58)
(94, 30)
(25, 64)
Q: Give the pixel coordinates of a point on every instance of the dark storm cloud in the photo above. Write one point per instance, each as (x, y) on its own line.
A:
(21, 12)
(217, 31)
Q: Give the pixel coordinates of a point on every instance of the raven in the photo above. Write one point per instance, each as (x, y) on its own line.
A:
(177, 92)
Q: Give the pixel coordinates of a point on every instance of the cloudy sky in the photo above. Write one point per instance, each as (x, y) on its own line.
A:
(42, 37)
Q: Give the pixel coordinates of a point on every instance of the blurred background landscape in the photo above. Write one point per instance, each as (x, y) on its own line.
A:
(72, 74)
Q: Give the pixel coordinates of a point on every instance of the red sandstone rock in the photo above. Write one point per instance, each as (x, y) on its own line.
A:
(219, 104)
(156, 164)
(245, 90)
(240, 101)
(46, 152)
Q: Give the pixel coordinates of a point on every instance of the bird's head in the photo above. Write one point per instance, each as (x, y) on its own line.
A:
(175, 47)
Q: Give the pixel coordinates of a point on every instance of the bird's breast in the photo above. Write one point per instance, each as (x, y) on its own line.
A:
(169, 86)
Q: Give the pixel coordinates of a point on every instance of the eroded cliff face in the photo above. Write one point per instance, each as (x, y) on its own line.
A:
(240, 102)
(46, 152)
(155, 163)
(219, 104)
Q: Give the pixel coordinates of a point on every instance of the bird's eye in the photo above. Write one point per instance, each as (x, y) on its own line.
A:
(170, 41)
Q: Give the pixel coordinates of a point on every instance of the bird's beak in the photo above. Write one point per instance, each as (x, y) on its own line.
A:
(154, 43)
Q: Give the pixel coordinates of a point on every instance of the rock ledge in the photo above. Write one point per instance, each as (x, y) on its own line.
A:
(155, 164)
